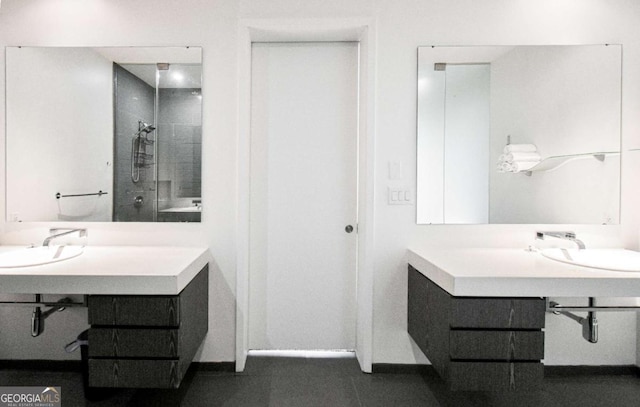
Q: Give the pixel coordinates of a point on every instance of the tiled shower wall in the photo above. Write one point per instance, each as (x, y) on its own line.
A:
(134, 101)
(179, 147)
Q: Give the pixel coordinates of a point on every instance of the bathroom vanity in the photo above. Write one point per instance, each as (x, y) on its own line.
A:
(479, 314)
(147, 307)
(146, 341)
(477, 343)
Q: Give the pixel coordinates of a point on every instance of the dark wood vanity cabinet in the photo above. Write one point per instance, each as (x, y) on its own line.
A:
(477, 343)
(146, 341)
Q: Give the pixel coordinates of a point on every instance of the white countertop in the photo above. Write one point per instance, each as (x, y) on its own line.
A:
(153, 270)
(517, 273)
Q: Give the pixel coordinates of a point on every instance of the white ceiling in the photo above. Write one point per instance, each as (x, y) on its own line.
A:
(183, 62)
(178, 75)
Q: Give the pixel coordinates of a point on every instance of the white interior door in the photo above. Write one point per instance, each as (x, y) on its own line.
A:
(304, 115)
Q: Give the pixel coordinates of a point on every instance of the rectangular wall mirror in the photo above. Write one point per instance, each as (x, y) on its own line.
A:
(519, 134)
(103, 134)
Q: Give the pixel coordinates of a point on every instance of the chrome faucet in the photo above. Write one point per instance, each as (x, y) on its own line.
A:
(562, 235)
(57, 232)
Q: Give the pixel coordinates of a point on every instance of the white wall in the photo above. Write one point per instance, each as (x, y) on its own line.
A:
(565, 100)
(71, 142)
(402, 25)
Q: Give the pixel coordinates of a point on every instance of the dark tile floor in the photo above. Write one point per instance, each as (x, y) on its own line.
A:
(269, 381)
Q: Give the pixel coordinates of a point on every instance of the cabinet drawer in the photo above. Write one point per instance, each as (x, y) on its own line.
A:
(496, 345)
(135, 373)
(134, 310)
(495, 376)
(134, 342)
(514, 313)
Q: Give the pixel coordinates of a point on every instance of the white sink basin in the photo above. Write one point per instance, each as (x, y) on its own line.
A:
(35, 256)
(607, 259)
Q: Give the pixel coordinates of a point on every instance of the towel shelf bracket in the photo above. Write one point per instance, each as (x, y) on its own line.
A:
(555, 162)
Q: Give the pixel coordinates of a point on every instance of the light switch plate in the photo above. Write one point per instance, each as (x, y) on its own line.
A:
(400, 196)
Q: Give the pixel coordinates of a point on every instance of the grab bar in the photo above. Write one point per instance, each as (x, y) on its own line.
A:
(99, 193)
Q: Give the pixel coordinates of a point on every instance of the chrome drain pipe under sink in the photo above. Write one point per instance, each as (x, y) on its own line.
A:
(38, 316)
(589, 324)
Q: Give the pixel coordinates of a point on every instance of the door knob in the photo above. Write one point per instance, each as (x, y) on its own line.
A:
(348, 229)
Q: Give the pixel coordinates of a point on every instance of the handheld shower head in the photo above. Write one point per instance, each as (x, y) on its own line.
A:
(144, 128)
(147, 128)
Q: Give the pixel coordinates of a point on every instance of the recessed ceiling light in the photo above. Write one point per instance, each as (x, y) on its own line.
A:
(177, 76)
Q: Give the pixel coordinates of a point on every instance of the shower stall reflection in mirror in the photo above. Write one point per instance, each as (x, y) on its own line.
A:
(157, 142)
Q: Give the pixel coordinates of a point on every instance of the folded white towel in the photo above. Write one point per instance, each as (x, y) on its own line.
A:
(519, 166)
(505, 167)
(518, 158)
(520, 148)
(522, 156)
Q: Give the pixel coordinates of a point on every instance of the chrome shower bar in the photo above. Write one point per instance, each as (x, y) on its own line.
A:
(138, 149)
(99, 193)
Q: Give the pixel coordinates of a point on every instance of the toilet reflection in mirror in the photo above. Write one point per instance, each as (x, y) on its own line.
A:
(562, 102)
